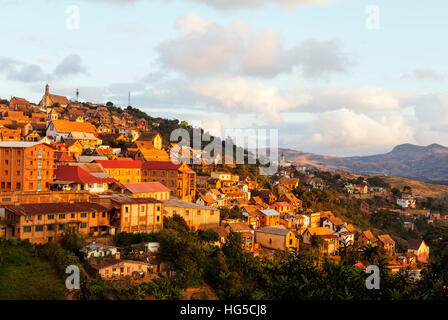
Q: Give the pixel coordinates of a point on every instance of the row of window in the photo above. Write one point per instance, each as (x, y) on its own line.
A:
(63, 216)
(49, 227)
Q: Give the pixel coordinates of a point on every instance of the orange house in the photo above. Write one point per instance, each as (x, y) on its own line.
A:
(269, 217)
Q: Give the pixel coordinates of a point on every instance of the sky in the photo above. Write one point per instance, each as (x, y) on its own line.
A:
(336, 77)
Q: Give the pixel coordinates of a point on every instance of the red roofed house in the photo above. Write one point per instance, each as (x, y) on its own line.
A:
(76, 178)
(15, 103)
(282, 207)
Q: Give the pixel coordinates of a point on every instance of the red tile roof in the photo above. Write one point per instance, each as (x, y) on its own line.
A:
(120, 164)
(54, 208)
(161, 165)
(144, 187)
(63, 157)
(78, 175)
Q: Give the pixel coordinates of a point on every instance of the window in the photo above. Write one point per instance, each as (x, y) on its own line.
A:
(104, 214)
(83, 215)
(199, 212)
(39, 217)
(61, 227)
(83, 225)
(18, 172)
(6, 172)
(93, 214)
(6, 162)
(126, 209)
(51, 217)
(142, 209)
(18, 185)
(72, 216)
(39, 228)
(158, 209)
(62, 216)
(158, 218)
(27, 229)
(50, 227)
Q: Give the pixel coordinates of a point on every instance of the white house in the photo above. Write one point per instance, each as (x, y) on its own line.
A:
(97, 250)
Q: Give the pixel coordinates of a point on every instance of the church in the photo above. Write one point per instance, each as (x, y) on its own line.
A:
(48, 100)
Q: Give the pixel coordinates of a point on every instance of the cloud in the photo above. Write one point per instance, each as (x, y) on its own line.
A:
(355, 98)
(28, 72)
(238, 95)
(345, 129)
(235, 4)
(204, 48)
(71, 65)
(431, 109)
(428, 74)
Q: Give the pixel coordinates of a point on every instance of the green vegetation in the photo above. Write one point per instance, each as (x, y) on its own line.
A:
(24, 274)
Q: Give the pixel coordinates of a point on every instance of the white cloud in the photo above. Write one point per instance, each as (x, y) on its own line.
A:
(241, 95)
(355, 98)
(204, 48)
(235, 4)
(345, 129)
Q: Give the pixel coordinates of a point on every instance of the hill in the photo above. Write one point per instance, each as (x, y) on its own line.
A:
(419, 187)
(429, 164)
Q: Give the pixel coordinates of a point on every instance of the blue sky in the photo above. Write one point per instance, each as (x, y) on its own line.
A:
(314, 71)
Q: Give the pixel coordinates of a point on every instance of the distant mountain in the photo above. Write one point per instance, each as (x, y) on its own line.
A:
(428, 163)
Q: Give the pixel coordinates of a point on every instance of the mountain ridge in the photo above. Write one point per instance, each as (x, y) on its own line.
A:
(424, 163)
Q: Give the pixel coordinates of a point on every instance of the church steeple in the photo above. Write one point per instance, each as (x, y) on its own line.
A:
(47, 90)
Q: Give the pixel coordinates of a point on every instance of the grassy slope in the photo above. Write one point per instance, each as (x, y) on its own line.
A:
(24, 277)
(422, 188)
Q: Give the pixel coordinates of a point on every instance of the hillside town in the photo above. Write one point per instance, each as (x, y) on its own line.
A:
(100, 172)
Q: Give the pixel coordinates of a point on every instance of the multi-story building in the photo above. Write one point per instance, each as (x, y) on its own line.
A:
(43, 222)
(124, 171)
(195, 215)
(137, 214)
(179, 178)
(26, 166)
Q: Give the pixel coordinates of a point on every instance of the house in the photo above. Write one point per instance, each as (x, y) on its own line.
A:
(269, 217)
(207, 200)
(154, 190)
(16, 103)
(60, 130)
(276, 238)
(137, 214)
(246, 232)
(386, 242)
(361, 188)
(367, 238)
(289, 183)
(194, 214)
(289, 197)
(74, 177)
(258, 202)
(333, 223)
(43, 222)
(282, 207)
(407, 203)
(97, 250)
(420, 249)
(222, 232)
(88, 140)
(124, 171)
(327, 242)
(345, 237)
(267, 195)
(117, 268)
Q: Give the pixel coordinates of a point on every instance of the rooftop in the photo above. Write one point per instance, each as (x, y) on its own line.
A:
(54, 208)
(184, 204)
